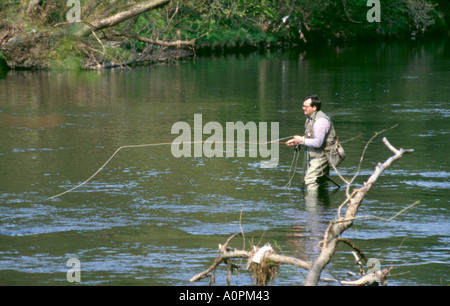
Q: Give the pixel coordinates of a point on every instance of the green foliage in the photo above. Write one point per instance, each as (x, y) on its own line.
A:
(64, 55)
(216, 24)
(7, 4)
(237, 23)
(229, 23)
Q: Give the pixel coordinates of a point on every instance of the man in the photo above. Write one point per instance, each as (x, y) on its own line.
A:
(319, 136)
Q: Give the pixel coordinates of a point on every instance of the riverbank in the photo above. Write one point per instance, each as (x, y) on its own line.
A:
(172, 54)
(41, 36)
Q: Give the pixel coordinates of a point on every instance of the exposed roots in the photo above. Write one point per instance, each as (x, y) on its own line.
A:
(263, 263)
(263, 273)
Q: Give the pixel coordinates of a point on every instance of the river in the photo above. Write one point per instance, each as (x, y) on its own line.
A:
(151, 218)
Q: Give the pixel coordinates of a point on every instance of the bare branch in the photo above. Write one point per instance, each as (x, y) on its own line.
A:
(329, 243)
(379, 218)
(362, 156)
(345, 202)
(267, 256)
(176, 43)
(355, 247)
(376, 277)
(336, 228)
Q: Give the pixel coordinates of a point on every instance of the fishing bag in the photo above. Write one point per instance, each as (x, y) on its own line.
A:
(335, 154)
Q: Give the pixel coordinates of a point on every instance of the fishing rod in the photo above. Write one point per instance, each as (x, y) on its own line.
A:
(334, 182)
(278, 141)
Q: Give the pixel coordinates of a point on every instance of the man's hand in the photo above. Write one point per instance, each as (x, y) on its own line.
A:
(295, 141)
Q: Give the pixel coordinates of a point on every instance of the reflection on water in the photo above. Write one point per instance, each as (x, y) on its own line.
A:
(150, 218)
(35, 122)
(315, 202)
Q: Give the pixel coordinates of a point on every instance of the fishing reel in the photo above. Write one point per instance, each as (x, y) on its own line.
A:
(297, 148)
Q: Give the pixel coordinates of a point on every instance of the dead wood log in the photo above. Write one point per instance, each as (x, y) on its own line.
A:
(176, 43)
(369, 279)
(328, 244)
(336, 228)
(258, 259)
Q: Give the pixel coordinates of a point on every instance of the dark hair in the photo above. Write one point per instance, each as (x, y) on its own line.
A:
(315, 101)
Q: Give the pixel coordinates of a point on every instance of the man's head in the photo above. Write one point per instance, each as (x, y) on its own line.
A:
(311, 104)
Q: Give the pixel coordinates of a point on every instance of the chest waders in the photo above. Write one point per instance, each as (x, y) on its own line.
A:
(317, 156)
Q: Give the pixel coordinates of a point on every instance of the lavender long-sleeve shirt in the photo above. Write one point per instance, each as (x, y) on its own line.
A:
(321, 128)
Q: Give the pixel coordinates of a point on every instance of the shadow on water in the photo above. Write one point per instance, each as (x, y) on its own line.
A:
(310, 216)
(3, 68)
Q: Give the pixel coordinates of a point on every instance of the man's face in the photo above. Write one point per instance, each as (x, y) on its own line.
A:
(308, 110)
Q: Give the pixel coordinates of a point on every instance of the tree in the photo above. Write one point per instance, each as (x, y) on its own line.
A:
(106, 33)
(99, 34)
(263, 262)
(121, 16)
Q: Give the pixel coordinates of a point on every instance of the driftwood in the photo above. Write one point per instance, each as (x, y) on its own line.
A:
(264, 258)
(378, 277)
(336, 228)
(176, 43)
(328, 245)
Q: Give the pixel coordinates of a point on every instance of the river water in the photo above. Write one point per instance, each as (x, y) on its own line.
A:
(150, 218)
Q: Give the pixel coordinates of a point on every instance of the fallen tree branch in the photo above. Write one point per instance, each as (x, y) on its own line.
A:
(258, 256)
(355, 247)
(362, 156)
(176, 43)
(368, 279)
(379, 218)
(336, 228)
(98, 64)
(135, 10)
(358, 259)
(261, 260)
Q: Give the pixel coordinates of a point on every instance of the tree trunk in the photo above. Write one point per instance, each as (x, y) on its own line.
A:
(122, 16)
(336, 228)
(329, 243)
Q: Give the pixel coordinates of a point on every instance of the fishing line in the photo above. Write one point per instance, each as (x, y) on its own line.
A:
(294, 162)
(154, 145)
(293, 168)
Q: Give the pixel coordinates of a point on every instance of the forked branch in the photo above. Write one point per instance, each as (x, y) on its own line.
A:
(261, 258)
(336, 228)
(258, 257)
